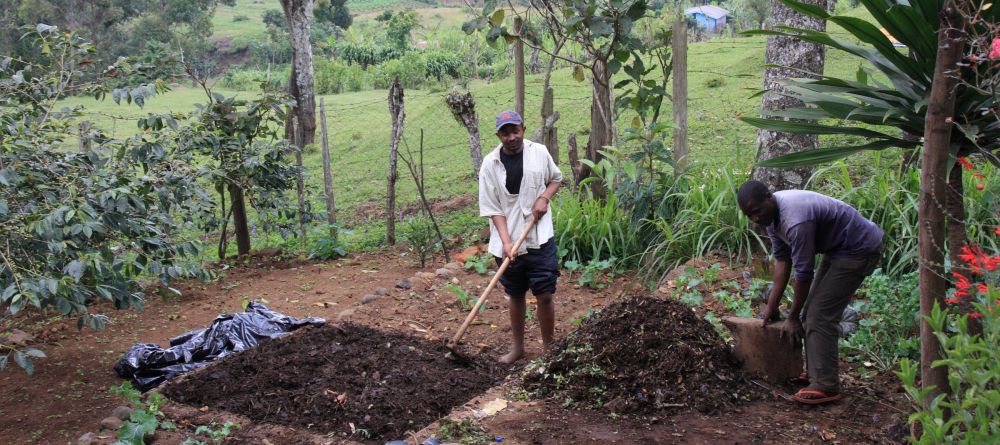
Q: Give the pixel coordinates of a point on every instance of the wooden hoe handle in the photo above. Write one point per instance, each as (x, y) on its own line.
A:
(493, 282)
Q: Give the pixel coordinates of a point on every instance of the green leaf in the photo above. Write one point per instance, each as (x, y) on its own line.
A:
(496, 19)
(823, 155)
(809, 128)
(578, 73)
(807, 9)
(24, 362)
(32, 352)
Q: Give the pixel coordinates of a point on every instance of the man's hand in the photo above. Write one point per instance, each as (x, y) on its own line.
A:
(509, 252)
(792, 329)
(540, 208)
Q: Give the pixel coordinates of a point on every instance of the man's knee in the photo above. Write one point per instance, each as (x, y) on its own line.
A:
(545, 298)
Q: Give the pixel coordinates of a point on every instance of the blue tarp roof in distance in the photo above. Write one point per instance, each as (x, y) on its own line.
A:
(714, 12)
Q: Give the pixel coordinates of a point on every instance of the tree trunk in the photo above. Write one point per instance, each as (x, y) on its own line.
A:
(240, 226)
(396, 111)
(680, 95)
(602, 118)
(300, 183)
(933, 192)
(84, 143)
(546, 134)
(802, 59)
(331, 203)
(535, 65)
(299, 14)
(518, 68)
(957, 238)
(463, 109)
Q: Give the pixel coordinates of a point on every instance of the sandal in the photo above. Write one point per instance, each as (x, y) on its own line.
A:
(815, 396)
(802, 379)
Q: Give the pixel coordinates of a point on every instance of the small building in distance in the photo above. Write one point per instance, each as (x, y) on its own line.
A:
(709, 17)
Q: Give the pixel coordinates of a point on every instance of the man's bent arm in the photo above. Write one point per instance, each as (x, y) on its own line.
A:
(782, 270)
(801, 288)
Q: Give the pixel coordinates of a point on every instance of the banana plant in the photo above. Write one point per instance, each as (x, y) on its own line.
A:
(865, 106)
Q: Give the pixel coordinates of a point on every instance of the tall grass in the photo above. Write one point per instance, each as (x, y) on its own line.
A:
(707, 219)
(889, 197)
(591, 229)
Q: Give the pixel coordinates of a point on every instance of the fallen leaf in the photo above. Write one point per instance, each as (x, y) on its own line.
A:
(494, 406)
(827, 435)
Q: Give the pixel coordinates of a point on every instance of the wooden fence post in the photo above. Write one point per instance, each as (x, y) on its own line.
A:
(396, 111)
(680, 95)
(331, 205)
(518, 68)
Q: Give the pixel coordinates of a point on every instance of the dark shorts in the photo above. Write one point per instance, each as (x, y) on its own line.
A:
(538, 270)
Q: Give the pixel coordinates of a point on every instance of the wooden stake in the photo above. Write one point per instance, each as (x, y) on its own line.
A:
(331, 205)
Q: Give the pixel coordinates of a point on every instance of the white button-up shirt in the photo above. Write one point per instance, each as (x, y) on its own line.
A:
(539, 171)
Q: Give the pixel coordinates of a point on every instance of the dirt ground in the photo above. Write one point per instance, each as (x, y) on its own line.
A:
(69, 393)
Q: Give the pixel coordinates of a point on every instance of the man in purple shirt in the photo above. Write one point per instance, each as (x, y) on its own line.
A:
(800, 225)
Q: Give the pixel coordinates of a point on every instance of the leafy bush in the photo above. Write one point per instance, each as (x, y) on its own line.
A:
(366, 54)
(146, 416)
(247, 79)
(410, 69)
(79, 227)
(888, 331)
(326, 247)
(707, 219)
(714, 82)
(419, 232)
(480, 263)
(334, 77)
(589, 229)
(973, 363)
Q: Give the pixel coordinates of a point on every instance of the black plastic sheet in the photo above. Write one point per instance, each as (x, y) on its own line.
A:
(148, 365)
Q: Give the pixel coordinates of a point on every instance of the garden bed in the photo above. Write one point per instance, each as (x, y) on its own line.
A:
(643, 355)
(346, 379)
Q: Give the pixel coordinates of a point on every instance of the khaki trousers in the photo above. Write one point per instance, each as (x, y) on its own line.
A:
(831, 290)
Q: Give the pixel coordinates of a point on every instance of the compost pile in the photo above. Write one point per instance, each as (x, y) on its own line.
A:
(642, 355)
(346, 379)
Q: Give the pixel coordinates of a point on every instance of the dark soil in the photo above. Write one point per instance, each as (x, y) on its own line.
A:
(328, 378)
(643, 355)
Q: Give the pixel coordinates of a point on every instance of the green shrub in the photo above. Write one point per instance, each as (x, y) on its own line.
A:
(334, 77)
(419, 232)
(249, 79)
(707, 219)
(590, 229)
(973, 363)
(410, 68)
(240, 18)
(889, 325)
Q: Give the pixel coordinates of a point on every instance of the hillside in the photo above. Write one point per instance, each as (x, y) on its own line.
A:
(360, 130)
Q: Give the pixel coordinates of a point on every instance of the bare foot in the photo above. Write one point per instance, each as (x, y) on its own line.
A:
(512, 356)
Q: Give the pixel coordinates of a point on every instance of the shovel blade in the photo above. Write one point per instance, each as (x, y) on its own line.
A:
(763, 352)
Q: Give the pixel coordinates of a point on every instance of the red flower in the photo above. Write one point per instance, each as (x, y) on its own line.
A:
(997, 231)
(978, 176)
(995, 50)
(966, 164)
(980, 186)
(951, 300)
(982, 288)
(963, 283)
(975, 315)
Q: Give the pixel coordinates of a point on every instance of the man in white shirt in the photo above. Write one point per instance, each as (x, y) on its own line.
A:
(516, 182)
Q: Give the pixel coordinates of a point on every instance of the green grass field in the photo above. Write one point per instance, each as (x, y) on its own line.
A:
(360, 129)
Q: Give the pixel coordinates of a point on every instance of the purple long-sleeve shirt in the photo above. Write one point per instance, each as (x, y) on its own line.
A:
(809, 223)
